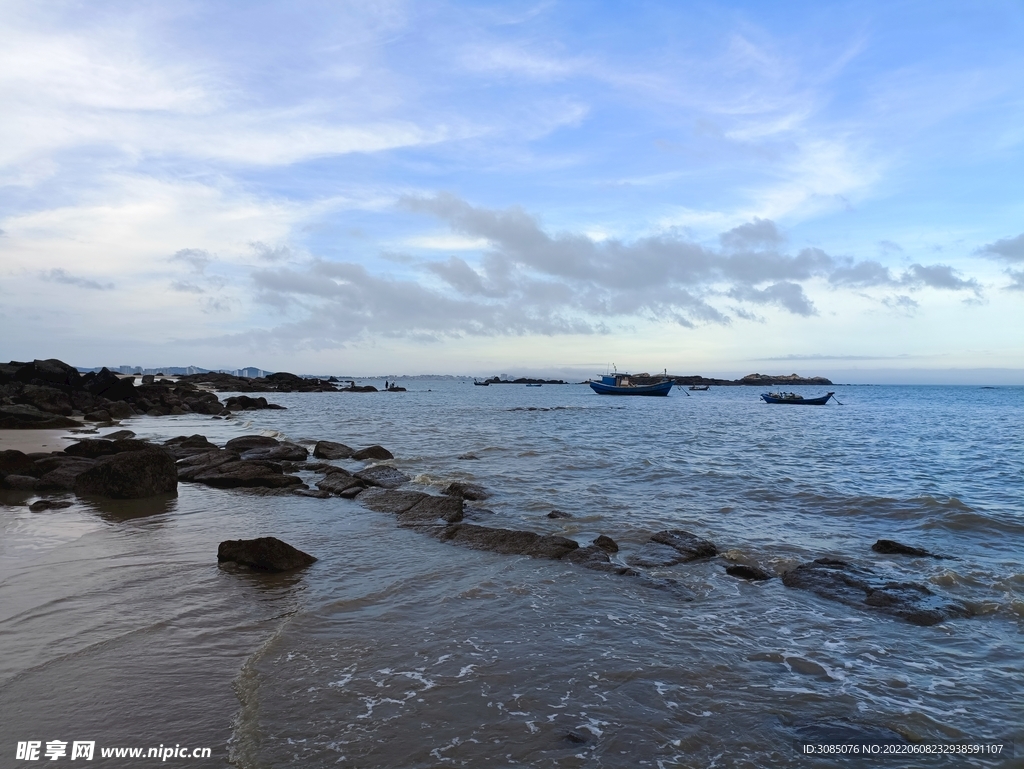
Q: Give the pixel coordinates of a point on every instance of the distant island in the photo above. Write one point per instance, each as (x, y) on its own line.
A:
(762, 380)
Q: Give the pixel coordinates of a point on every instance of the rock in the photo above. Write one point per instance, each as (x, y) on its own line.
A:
(383, 475)
(286, 452)
(120, 435)
(110, 386)
(20, 482)
(332, 450)
(50, 372)
(559, 514)
(14, 461)
(468, 456)
(45, 398)
(98, 416)
(462, 490)
(689, 545)
(847, 584)
(606, 543)
(129, 475)
(182, 447)
(65, 476)
(654, 555)
(891, 547)
(508, 541)
(24, 417)
(201, 464)
(314, 493)
(744, 571)
(264, 553)
(373, 452)
(596, 558)
(246, 442)
(338, 483)
(252, 473)
(247, 403)
(49, 504)
(120, 410)
(91, 448)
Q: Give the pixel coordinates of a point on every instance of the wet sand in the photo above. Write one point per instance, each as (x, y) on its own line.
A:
(29, 441)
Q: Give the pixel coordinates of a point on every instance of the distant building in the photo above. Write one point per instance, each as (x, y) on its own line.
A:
(251, 372)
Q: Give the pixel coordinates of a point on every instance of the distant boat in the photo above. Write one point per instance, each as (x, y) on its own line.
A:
(700, 388)
(482, 384)
(619, 384)
(528, 384)
(796, 399)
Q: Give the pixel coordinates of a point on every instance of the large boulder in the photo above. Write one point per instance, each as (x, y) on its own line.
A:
(285, 452)
(64, 476)
(332, 450)
(341, 484)
(246, 442)
(129, 475)
(109, 385)
(248, 403)
(263, 553)
(45, 398)
(91, 448)
(853, 586)
(891, 547)
(465, 490)
(50, 372)
(251, 473)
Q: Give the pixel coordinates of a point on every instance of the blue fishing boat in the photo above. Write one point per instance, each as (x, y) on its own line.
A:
(797, 399)
(619, 384)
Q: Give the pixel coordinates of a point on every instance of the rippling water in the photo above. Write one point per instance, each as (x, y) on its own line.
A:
(396, 650)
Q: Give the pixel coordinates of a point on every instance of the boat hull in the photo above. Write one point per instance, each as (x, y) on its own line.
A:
(769, 398)
(661, 388)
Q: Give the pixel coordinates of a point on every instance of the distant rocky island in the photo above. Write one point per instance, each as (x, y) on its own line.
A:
(761, 380)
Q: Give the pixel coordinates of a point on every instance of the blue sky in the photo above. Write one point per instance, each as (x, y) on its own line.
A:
(715, 188)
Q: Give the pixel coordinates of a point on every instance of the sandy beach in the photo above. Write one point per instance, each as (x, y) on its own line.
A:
(30, 441)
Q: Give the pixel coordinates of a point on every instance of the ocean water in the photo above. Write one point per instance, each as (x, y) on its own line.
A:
(395, 650)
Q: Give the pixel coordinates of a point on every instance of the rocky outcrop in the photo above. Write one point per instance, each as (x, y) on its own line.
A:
(850, 585)
(25, 417)
(246, 442)
(279, 382)
(414, 508)
(668, 548)
(129, 475)
(264, 554)
(748, 572)
(341, 483)
(227, 473)
(332, 450)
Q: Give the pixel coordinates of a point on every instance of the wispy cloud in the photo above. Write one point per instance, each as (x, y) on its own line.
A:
(58, 275)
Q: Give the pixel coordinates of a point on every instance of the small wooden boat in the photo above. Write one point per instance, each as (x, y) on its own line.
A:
(700, 388)
(619, 384)
(796, 399)
(482, 384)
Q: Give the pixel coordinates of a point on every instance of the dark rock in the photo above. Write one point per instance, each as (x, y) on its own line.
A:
(24, 417)
(65, 476)
(373, 452)
(201, 464)
(286, 452)
(246, 442)
(559, 514)
(110, 386)
(120, 435)
(20, 482)
(332, 450)
(575, 738)
(14, 461)
(129, 475)
(606, 543)
(383, 475)
(596, 558)
(91, 448)
(264, 553)
(247, 403)
(252, 473)
(470, 491)
(891, 547)
(847, 584)
(337, 483)
(654, 555)
(468, 456)
(48, 372)
(689, 545)
(98, 416)
(431, 509)
(182, 447)
(120, 410)
(49, 504)
(508, 541)
(45, 398)
(314, 493)
(743, 571)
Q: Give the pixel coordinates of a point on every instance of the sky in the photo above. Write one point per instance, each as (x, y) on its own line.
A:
(532, 188)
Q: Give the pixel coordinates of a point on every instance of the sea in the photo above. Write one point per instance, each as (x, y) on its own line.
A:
(119, 627)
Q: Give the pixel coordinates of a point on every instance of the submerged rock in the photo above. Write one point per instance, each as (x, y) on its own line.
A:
(414, 507)
(745, 571)
(690, 546)
(241, 473)
(891, 547)
(559, 514)
(508, 541)
(464, 490)
(49, 504)
(847, 584)
(264, 553)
